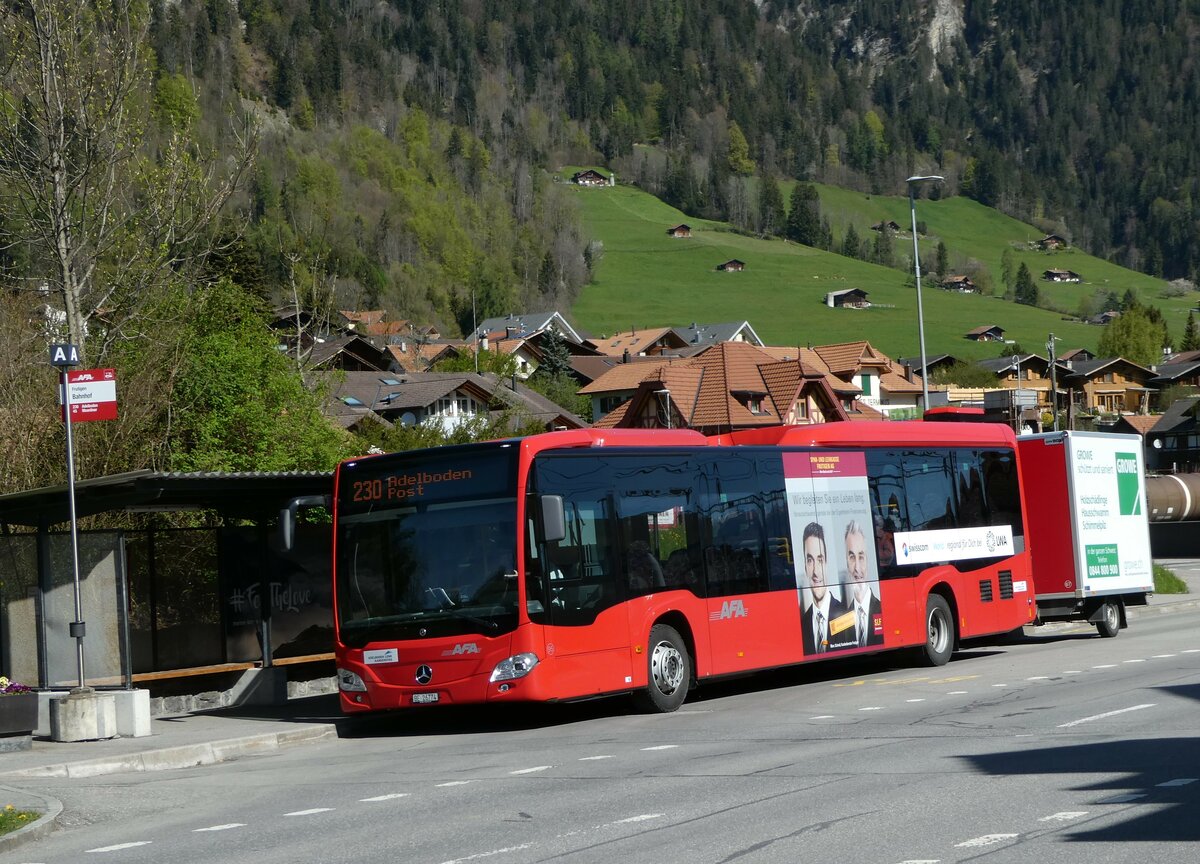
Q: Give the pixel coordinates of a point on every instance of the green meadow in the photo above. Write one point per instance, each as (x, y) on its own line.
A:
(646, 278)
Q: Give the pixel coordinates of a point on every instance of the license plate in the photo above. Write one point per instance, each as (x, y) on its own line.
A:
(424, 698)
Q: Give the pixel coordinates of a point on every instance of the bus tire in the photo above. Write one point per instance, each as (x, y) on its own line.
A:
(939, 632)
(669, 670)
(1109, 624)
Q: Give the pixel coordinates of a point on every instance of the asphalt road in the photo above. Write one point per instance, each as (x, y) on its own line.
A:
(1062, 747)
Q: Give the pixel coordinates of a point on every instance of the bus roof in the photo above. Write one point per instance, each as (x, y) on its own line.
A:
(868, 433)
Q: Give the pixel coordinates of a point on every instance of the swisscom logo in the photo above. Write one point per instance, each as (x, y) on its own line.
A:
(1129, 495)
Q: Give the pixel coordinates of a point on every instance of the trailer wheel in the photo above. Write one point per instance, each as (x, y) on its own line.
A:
(670, 672)
(1109, 624)
(939, 629)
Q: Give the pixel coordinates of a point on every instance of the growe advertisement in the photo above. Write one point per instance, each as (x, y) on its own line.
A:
(1112, 545)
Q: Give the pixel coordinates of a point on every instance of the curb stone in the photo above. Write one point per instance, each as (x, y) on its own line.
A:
(50, 808)
(186, 756)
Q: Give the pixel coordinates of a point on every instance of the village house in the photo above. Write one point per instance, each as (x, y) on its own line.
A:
(592, 177)
(986, 333)
(733, 265)
(730, 386)
(962, 284)
(890, 225)
(883, 386)
(1056, 275)
(848, 298)
(1052, 241)
(647, 342)
(1110, 385)
(683, 230)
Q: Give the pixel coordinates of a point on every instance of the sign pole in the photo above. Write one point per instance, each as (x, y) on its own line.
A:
(78, 627)
(64, 357)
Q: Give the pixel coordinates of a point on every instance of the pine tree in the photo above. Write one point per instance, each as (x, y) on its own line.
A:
(851, 244)
(943, 260)
(1026, 290)
(1191, 340)
(804, 215)
(771, 217)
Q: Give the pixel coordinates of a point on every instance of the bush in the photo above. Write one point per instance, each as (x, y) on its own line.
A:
(1166, 582)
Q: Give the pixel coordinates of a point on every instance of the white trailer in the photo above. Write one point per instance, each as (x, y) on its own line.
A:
(1088, 534)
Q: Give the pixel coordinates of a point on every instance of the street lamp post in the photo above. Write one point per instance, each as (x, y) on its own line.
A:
(1053, 379)
(912, 207)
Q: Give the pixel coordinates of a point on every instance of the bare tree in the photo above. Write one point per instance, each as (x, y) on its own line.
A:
(104, 216)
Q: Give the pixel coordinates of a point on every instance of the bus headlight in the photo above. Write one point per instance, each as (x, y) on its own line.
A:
(350, 681)
(517, 666)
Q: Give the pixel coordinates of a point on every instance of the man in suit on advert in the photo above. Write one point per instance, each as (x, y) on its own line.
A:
(825, 607)
(862, 604)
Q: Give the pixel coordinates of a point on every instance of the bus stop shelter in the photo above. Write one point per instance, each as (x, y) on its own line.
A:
(158, 600)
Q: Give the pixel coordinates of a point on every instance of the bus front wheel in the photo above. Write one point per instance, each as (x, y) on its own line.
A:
(939, 631)
(670, 671)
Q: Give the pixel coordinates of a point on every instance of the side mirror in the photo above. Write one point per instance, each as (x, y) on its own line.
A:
(554, 521)
(287, 517)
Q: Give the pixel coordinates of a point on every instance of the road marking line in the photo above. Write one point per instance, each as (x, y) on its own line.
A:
(822, 717)
(1072, 672)
(1182, 781)
(914, 700)
(593, 758)
(954, 679)
(1191, 651)
(1064, 816)
(985, 840)
(1134, 661)
(1039, 678)
(1105, 714)
(452, 783)
(661, 747)
(1162, 656)
(642, 818)
(533, 770)
(121, 846)
(1122, 799)
(479, 855)
(310, 811)
(922, 861)
(389, 797)
(872, 708)
(957, 693)
(1106, 666)
(220, 827)
(999, 685)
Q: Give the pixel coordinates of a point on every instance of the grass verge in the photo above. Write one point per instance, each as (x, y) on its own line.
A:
(11, 819)
(1166, 582)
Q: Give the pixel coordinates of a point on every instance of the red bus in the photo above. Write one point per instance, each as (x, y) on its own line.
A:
(588, 563)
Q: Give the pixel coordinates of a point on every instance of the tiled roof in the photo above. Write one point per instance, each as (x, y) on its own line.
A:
(624, 376)
(985, 328)
(846, 358)
(634, 341)
(1141, 423)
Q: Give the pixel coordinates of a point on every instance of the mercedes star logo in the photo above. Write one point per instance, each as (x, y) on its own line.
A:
(424, 674)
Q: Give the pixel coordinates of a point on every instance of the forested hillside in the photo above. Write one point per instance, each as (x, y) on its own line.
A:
(1075, 117)
(169, 169)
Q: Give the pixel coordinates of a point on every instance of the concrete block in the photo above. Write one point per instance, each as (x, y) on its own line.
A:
(133, 713)
(43, 721)
(260, 687)
(86, 716)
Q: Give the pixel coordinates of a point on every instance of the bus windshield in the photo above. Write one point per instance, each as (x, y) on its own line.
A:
(426, 545)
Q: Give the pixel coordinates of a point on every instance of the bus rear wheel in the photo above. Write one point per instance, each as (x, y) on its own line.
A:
(1109, 624)
(670, 671)
(939, 632)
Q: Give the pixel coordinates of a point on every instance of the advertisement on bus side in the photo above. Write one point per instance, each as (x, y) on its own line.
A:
(832, 531)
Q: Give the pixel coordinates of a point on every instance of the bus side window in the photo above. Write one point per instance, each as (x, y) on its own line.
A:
(1002, 490)
(885, 472)
(734, 536)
